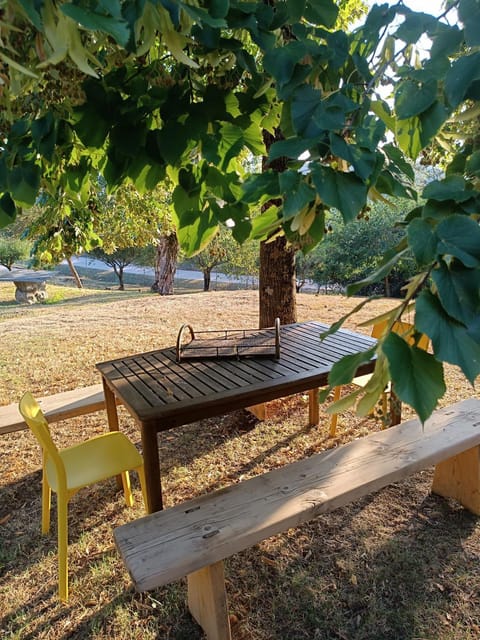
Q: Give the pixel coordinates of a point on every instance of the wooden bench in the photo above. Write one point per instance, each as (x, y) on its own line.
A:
(192, 539)
(58, 406)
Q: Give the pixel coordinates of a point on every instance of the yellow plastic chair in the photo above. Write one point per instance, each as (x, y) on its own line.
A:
(403, 329)
(67, 470)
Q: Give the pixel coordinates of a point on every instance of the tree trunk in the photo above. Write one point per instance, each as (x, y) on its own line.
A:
(118, 270)
(277, 283)
(74, 273)
(165, 264)
(206, 279)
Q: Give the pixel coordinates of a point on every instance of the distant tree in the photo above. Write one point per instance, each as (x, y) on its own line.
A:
(218, 252)
(62, 228)
(118, 260)
(12, 250)
(350, 252)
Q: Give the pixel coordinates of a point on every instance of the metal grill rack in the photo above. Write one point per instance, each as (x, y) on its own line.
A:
(228, 343)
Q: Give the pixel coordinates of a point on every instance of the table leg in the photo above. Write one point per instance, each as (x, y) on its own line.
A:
(112, 416)
(395, 408)
(151, 461)
(313, 408)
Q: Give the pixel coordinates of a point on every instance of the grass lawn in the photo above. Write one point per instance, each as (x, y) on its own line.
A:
(400, 564)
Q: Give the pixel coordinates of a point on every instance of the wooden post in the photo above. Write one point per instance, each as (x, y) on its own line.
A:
(313, 408)
(459, 478)
(259, 411)
(207, 601)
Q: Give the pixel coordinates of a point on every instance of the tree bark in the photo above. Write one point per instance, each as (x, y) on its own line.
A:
(74, 273)
(165, 264)
(277, 283)
(119, 273)
(206, 279)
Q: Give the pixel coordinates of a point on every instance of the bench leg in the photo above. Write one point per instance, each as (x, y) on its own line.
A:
(313, 408)
(259, 411)
(207, 601)
(459, 478)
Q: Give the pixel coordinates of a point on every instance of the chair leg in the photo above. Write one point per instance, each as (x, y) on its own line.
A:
(46, 503)
(62, 509)
(334, 418)
(127, 490)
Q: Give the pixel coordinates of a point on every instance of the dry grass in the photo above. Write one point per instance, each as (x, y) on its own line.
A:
(399, 564)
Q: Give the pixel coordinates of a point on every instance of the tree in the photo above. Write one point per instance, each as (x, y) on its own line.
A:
(12, 250)
(180, 90)
(219, 251)
(350, 252)
(61, 229)
(118, 260)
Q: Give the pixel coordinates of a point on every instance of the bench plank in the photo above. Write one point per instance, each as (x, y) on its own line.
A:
(58, 406)
(171, 544)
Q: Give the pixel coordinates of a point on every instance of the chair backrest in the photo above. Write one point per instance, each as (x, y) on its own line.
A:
(405, 329)
(37, 423)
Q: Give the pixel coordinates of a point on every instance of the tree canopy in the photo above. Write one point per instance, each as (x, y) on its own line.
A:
(141, 91)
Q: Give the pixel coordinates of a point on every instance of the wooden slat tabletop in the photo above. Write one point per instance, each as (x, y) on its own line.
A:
(161, 392)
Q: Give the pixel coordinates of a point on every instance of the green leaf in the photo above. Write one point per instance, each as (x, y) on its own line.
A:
(266, 223)
(262, 187)
(458, 290)
(338, 324)
(378, 274)
(195, 231)
(413, 98)
(44, 135)
(203, 17)
(24, 182)
(363, 161)
(331, 114)
(296, 197)
(296, 9)
(417, 377)
(472, 165)
(414, 25)
(463, 72)
(446, 39)
(423, 240)
(460, 237)
(345, 369)
(415, 133)
(91, 127)
(305, 102)
(218, 8)
(290, 148)
(321, 12)
(398, 160)
(453, 187)
(344, 191)
(8, 211)
(118, 29)
(173, 141)
(281, 61)
(469, 14)
(31, 9)
(450, 339)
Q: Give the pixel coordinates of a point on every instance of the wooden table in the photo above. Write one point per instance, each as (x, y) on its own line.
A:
(162, 393)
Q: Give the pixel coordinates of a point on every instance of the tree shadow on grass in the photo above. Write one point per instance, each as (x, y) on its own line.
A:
(390, 567)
